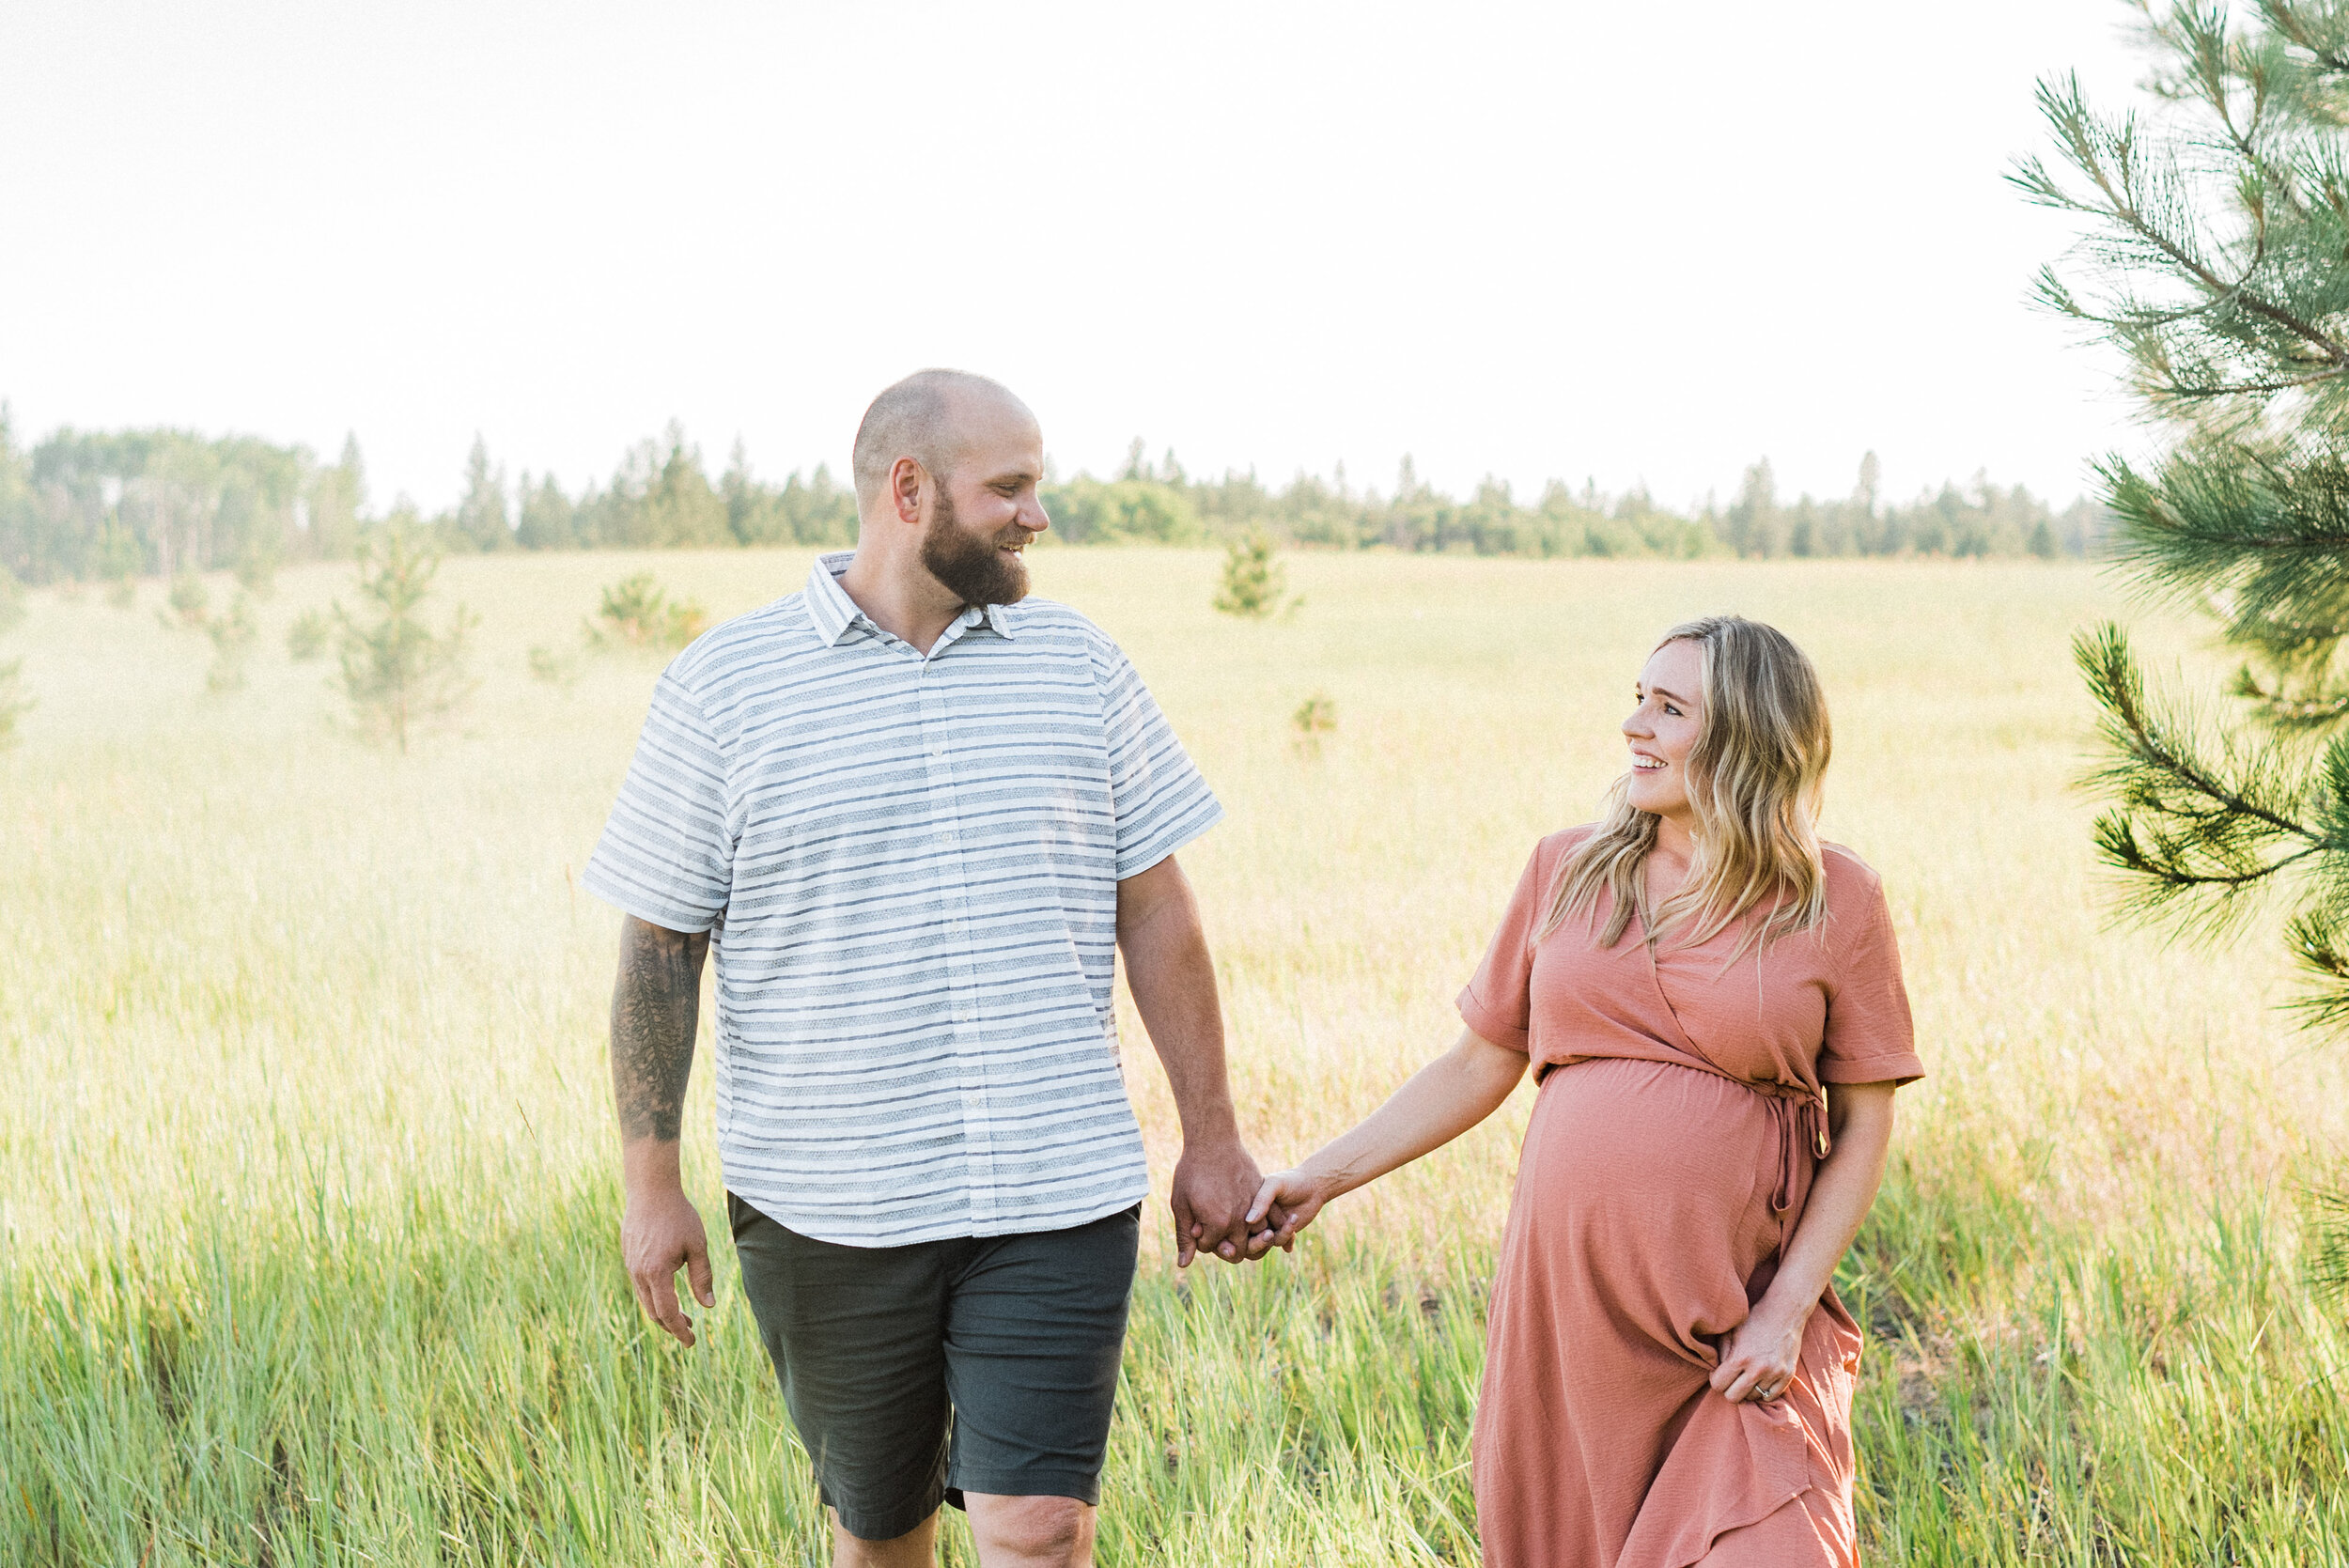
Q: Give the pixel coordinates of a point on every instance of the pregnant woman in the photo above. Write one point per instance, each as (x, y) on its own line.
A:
(1711, 1002)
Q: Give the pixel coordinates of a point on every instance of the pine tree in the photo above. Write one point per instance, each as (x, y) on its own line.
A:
(396, 671)
(2218, 249)
(338, 495)
(480, 521)
(681, 509)
(546, 517)
(1755, 524)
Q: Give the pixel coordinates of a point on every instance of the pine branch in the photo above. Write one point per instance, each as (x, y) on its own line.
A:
(2271, 528)
(2325, 41)
(2138, 198)
(2188, 825)
(2315, 939)
(2284, 711)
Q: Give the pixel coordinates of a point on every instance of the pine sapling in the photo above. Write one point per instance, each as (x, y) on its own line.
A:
(1256, 585)
(1314, 718)
(190, 606)
(306, 639)
(232, 636)
(396, 671)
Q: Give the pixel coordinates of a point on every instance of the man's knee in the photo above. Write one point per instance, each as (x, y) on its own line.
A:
(1047, 1533)
(912, 1549)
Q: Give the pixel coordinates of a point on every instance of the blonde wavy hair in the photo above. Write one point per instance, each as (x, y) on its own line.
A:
(1755, 783)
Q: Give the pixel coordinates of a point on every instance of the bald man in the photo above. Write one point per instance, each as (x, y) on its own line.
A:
(917, 815)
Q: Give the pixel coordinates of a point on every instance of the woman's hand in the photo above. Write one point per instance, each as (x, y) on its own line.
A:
(1759, 1357)
(1761, 1352)
(1442, 1100)
(1286, 1203)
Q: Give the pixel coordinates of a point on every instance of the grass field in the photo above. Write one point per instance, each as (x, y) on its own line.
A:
(308, 1186)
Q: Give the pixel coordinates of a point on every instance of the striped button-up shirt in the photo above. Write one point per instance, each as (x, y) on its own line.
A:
(909, 865)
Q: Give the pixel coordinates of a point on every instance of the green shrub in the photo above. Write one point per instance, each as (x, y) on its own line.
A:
(637, 614)
(14, 705)
(257, 572)
(306, 639)
(1315, 717)
(190, 606)
(554, 668)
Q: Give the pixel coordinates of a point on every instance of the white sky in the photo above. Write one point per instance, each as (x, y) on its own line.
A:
(1546, 239)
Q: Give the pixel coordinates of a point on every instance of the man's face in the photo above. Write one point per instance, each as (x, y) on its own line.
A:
(986, 508)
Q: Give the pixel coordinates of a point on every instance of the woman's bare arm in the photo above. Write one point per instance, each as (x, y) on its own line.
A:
(1440, 1102)
(1762, 1351)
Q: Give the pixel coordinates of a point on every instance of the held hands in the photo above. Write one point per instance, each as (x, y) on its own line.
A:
(1285, 1204)
(1760, 1354)
(1213, 1183)
(660, 1234)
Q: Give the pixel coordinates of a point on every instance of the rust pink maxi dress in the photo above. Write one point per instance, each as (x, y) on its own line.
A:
(1675, 1131)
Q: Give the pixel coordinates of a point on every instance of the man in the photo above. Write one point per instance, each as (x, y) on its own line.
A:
(916, 816)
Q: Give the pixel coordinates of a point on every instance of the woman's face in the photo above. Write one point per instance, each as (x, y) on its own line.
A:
(1663, 729)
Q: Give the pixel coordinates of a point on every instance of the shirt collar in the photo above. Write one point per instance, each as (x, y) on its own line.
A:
(834, 612)
(827, 603)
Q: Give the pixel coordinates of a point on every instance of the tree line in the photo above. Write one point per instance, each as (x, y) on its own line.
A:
(107, 505)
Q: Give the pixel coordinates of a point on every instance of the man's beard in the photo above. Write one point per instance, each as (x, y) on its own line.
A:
(973, 568)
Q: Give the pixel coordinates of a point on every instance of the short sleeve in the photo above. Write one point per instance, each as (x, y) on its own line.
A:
(1161, 801)
(1869, 1038)
(1499, 1003)
(667, 853)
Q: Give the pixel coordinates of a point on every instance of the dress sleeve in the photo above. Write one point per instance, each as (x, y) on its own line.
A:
(1497, 1003)
(1869, 1038)
(667, 853)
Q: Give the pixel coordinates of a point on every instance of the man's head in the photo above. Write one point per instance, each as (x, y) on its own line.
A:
(947, 465)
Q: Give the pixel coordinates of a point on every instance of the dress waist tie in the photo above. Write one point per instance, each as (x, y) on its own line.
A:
(1801, 1120)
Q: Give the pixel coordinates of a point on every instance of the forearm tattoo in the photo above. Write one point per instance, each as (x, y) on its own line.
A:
(655, 1010)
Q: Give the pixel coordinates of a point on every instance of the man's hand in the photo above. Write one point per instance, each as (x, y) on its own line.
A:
(1214, 1183)
(1173, 981)
(660, 1234)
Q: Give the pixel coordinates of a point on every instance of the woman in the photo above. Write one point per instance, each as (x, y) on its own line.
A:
(1712, 1004)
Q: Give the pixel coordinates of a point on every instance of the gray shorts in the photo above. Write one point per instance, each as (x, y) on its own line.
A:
(917, 1374)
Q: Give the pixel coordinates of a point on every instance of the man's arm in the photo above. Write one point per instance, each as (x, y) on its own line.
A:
(1173, 981)
(656, 1008)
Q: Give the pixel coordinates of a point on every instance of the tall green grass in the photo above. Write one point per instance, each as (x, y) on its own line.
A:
(306, 1176)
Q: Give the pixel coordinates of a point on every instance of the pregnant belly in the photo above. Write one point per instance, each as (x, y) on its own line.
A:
(1653, 1182)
